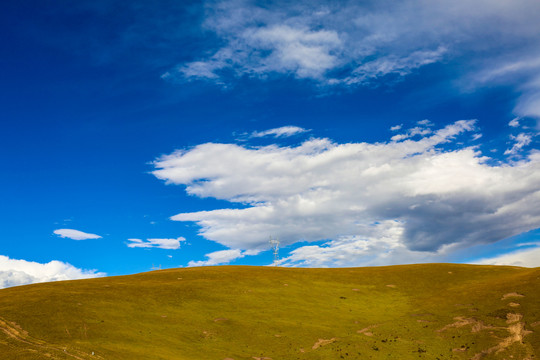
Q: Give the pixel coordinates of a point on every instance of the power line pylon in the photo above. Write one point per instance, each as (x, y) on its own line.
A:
(275, 248)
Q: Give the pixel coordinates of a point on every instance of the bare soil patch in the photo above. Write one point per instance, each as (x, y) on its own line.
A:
(511, 295)
(323, 342)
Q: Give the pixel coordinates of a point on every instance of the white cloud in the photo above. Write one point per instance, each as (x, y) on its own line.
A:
(421, 130)
(284, 131)
(357, 43)
(514, 122)
(521, 140)
(279, 48)
(342, 193)
(171, 244)
(351, 43)
(218, 257)
(425, 122)
(382, 245)
(75, 234)
(21, 272)
(523, 74)
(527, 258)
(476, 136)
(396, 127)
(391, 64)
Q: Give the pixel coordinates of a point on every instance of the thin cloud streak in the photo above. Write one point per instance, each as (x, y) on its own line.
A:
(218, 258)
(170, 244)
(284, 131)
(75, 234)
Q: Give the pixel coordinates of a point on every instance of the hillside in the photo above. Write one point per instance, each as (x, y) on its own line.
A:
(432, 311)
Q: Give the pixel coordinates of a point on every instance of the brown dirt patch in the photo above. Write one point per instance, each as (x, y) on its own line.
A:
(476, 325)
(17, 334)
(517, 331)
(366, 331)
(511, 295)
(512, 318)
(323, 342)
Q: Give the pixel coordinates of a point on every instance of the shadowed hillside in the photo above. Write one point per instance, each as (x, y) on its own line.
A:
(432, 311)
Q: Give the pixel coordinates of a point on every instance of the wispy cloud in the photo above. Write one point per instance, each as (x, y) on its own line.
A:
(219, 257)
(521, 74)
(284, 131)
(414, 193)
(520, 141)
(171, 244)
(75, 234)
(391, 64)
(21, 272)
(421, 130)
(257, 51)
(514, 122)
(350, 43)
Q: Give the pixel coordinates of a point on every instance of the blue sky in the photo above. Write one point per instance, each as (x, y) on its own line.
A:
(181, 133)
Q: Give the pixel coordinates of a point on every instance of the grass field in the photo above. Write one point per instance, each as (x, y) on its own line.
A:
(431, 311)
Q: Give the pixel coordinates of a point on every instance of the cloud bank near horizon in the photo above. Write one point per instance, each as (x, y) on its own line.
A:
(417, 197)
(529, 257)
(15, 272)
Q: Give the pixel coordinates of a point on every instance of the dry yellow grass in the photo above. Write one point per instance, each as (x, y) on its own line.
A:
(430, 311)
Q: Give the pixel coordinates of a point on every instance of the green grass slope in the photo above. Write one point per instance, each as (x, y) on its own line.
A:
(431, 311)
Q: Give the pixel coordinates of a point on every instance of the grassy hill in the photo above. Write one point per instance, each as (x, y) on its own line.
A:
(432, 311)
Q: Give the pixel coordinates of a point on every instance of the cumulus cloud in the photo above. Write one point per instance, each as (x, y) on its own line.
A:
(382, 245)
(219, 257)
(417, 194)
(284, 131)
(75, 234)
(171, 244)
(527, 257)
(21, 272)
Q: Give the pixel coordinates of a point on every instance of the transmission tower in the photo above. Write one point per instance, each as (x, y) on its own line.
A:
(275, 248)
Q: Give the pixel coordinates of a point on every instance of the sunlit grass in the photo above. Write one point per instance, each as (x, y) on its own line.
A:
(399, 312)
